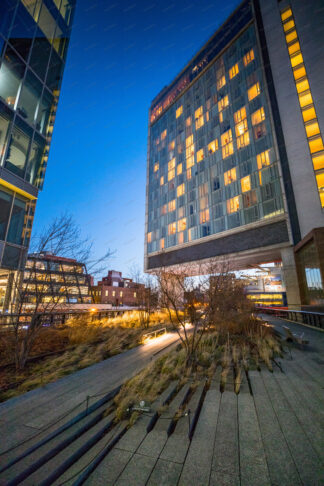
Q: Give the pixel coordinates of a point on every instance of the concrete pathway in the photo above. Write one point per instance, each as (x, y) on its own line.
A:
(24, 416)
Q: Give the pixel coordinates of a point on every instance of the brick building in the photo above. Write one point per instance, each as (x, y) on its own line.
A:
(117, 290)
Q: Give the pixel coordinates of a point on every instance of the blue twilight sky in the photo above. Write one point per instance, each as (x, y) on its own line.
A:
(121, 55)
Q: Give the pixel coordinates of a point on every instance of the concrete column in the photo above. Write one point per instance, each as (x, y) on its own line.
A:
(290, 277)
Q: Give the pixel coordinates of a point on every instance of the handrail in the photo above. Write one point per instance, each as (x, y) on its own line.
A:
(308, 318)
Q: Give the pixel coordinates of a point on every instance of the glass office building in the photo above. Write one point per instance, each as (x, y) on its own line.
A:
(222, 162)
(34, 37)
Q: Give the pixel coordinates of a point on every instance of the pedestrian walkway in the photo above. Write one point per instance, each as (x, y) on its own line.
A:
(271, 433)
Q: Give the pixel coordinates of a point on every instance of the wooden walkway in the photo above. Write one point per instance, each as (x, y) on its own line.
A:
(274, 436)
(271, 433)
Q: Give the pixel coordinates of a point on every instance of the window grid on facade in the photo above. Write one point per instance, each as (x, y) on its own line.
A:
(206, 184)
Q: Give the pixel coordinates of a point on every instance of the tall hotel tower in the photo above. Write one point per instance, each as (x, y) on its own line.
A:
(34, 37)
(235, 151)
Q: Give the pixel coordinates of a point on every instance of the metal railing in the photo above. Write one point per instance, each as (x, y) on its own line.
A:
(154, 334)
(309, 318)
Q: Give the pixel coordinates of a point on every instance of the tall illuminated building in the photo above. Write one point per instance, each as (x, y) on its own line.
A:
(34, 37)
(235, 150)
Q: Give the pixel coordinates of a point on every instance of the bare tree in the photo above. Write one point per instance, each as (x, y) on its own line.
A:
(61, 237)
(178, 297)
(213, 300)
(147, 295)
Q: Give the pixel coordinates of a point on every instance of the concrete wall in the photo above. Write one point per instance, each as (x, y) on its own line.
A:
(309, 19)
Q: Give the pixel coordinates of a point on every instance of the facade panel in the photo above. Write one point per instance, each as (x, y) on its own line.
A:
(34, 37)
(213, 163)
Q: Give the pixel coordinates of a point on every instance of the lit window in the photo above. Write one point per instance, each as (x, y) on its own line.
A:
(229, 176)
(149, 237)
(316, 144)
(296, 59)
(293, 48)
(121, 293)
(179, 169)
(291, 36)
(179, 112)
(107, 293)
(233, 71)
(135, 294)
(190, 151)
(288, 25)
(172, 205)
(171, 164)
(162, 244)
(203, 203)
(190, 162)
(162, 181)
(171, 174)
(188, 121)
(200, 155)
(172, 228)
(299, 72)
(226, 137)
(221, 82)
(181, 212)
(320, 180)
(243, 140)
(204, 216)
(312, 129)
(258, 116)
(180, 190)
(249, 56)
(318, 161)
(263, 159)
(156, 167)
(305, 99)
(246, 184)
(188, 174)
(233, 204)
(254, 91)
(286, 14)
(227, 150)
(240, 115)
(241, 127)
(113, 293)
(171, 145)
(199, 117)
(163, 134)
(180, 238)
(309, 114)
(164, 209)
(189, 141)
(221, 117)
(182, 224)
(212, 146)
(302, 85)
(223, 103)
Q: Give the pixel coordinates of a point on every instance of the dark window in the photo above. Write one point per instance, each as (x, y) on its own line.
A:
(35, 159)
(259, 131)
(249, 199)
(22, 32)
(29, 98)
(11, 74)
(11, 257)
(17, 151)
(5, 205)
(7, 9)
(17, 221)
(40, 55)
